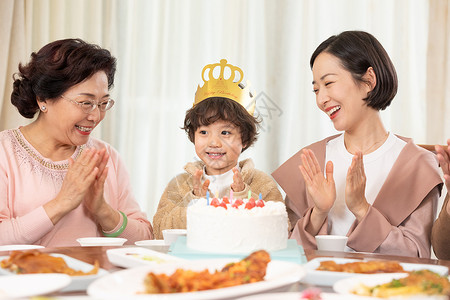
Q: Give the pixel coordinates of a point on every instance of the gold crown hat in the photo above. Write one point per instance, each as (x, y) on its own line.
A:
(225, 87)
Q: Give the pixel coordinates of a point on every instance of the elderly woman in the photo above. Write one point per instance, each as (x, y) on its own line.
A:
(56, 182)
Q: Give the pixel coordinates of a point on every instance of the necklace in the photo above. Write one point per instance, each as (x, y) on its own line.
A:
(39, 158)
(365, 151)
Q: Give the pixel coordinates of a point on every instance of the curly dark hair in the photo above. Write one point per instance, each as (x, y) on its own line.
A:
(214, 109)
(357, 51)
(54, 69)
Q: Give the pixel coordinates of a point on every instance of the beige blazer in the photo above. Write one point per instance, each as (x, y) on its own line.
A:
(399, 221)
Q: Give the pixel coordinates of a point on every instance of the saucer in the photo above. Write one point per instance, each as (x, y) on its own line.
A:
(145, 243)
(19, 247)
(101, 241)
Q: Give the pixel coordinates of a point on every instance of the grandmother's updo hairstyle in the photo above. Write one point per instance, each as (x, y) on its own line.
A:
(54, 69)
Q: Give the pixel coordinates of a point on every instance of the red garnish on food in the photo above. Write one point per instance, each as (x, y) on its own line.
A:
(225, 199)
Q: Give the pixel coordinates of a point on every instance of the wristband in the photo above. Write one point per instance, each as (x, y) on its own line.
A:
(121, 229)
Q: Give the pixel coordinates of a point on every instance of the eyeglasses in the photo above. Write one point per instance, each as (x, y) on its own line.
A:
(88, 105)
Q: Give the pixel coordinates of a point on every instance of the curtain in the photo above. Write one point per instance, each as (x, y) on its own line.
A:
(438, 77)
(13, 49)
(438, 73)
(162, 46)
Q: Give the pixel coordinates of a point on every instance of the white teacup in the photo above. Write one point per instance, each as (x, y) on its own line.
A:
(171, 235)
(331, 242)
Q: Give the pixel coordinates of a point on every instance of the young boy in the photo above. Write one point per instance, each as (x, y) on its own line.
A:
(221, 126)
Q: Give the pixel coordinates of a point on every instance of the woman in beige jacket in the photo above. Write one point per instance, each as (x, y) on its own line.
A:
(379, 189)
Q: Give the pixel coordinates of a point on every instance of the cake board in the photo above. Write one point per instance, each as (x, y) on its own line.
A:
(292, 253)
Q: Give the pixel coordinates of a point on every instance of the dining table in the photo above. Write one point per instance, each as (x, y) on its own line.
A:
(99, 253)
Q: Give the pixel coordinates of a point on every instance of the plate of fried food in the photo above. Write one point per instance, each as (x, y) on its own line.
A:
(422, 284)
(199, 279)
(325, 271)
(36, 262)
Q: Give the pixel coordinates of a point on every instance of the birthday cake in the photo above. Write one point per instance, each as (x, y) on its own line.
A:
(236, 226)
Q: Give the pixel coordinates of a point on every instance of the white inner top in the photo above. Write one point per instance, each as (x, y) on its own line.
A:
(377, 166)
(219, 183)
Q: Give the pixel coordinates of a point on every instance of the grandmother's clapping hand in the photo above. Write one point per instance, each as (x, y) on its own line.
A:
(81, 174)
(94, 200)
(105, 215)
(84, 184)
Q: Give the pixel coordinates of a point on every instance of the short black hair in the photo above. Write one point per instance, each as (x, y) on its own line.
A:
(55, 68)
(214, 109)
(357, 51)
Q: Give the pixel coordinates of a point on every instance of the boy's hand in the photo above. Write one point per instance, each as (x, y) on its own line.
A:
(199, 189)
(238, 184)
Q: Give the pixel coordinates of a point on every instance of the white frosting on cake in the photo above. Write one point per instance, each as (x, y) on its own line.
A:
(236, 230)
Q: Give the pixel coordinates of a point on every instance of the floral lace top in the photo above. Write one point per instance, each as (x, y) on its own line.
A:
(28, 156)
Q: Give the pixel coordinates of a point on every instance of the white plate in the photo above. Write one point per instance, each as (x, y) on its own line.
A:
(128, 283)
(138, 256)
(79, 283)
(151, 243)
(29, 285)
(344, 286)
(101, 241)
(328, 278)
(19, 247)
(297, 296)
